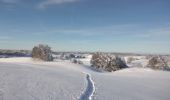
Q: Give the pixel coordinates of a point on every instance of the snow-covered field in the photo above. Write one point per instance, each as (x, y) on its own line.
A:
(25, 79)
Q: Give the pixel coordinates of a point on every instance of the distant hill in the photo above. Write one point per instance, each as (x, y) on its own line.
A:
(14, 53)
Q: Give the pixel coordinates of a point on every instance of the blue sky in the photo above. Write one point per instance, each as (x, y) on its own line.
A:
(141, 26)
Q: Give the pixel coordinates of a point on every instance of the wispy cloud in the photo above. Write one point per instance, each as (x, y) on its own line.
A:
(9, 1)
(160, 31)
(114, 30)
(9, 4)
(154, 32)
(47, 3)
(5, 37)
(119, 31)
(92, 31)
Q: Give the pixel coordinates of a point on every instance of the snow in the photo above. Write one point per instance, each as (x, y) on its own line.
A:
(90, 89)
(133, 84)
(39, 81)
(25, 79)
(17, 59)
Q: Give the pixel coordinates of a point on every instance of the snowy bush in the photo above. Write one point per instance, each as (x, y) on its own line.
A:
(71, 56)
(130, 59)
(75, 61)
(158, 62)
(107, 62)
(42, 52)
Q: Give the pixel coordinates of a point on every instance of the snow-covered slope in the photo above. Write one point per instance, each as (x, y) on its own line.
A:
(133, 84)
(25, 79)
(30, 81)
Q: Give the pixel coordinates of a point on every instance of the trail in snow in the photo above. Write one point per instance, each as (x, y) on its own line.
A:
(90, 89)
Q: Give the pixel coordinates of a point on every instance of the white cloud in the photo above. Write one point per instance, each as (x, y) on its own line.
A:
(47, 3)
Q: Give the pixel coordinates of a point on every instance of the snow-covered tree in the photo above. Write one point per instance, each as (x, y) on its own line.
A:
(107, 62)
(157, 62)
(42, 52)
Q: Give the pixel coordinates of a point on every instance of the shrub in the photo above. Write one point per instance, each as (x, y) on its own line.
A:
(71, 56)
(130, 59)
(75, 61)
(42, 52)
(107, 62)
(158, 62)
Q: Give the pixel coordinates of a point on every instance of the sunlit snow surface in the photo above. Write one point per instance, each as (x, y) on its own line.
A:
(24, 79)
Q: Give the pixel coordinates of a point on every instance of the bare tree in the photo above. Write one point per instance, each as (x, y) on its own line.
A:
(42, 52)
